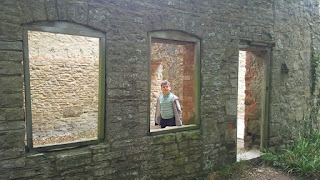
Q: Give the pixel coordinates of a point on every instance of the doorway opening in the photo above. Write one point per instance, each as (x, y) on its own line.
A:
(252, 89)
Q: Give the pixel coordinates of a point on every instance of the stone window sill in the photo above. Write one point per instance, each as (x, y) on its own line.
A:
(173, 129)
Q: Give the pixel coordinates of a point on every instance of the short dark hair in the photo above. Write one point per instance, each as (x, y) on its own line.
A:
(165, 82)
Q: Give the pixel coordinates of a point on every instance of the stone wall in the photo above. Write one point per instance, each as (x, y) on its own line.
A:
(290, 94)
(64, 73)
(128, 150)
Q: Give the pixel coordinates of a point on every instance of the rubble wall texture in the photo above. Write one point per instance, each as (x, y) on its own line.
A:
(64, 78)
(128, 152)
(253, 79)
(175, 63)
(164, 56)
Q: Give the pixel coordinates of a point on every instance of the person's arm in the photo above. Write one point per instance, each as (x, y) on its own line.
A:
(179, 109)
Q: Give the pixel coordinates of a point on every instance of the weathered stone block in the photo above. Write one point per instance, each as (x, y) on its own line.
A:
(12, 138)
(14, 114)
(51, 8)
(132, 150)
(11, 83)
(115, 155)
(25, 173)
(192, 167)
(10, 31)
(6, 153)
(39, 159)
(2, 115)
(99, 17)
(196, 143)
(101, 165)
(231, 107)
(78, 158)
(10, 45)
(73, 112)
(10, 68)
(98, 173)
(69, 173)
(117, 93)
(11, 100)
(275, 141)
(12, 125)
(13, 163)
(188, 135)
(11, 56)
(34, 10)
(164, 139)
(157, 149)
(78, 12)
(170, 147)
(100, 157)
(101, 148)
(230, 135)
(129, 174)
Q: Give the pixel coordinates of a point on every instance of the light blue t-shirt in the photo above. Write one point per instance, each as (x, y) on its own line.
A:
(166, 107)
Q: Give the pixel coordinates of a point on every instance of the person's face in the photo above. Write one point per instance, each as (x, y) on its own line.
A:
(165, 88)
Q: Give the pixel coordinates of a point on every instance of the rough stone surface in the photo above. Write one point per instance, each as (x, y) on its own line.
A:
(7, 45)
(254, 78)
(128, 151)
(64, 80)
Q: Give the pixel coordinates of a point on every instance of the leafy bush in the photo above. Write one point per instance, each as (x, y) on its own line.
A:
(302, 158)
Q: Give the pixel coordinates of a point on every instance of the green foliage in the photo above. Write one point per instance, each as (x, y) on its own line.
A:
(231, 171)
(302, 158)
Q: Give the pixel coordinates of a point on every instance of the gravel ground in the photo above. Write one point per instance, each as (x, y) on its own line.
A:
(67, 138)
(266, 173)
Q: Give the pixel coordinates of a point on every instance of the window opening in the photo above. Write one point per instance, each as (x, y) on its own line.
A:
(176, 60)
(173, 61)
(64, 74)
(251, 77)
(64, 80)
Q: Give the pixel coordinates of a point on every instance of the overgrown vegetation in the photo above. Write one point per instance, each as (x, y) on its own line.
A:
(303, 158)
(231, 171)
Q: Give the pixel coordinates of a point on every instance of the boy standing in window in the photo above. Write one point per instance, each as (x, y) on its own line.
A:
(168, 110)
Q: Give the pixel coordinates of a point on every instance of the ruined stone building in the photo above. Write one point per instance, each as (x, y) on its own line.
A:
(79, 78)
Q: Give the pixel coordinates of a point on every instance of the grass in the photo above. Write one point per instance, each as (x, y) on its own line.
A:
(230, 171)
(303, 158)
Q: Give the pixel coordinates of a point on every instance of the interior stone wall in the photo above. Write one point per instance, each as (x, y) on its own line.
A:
(64, 73)
(167, 64)
(187, 103)
(174, 62)
(254, 78)
(128, 150)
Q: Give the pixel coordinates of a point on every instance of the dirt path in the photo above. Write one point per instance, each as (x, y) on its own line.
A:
(266, 173)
